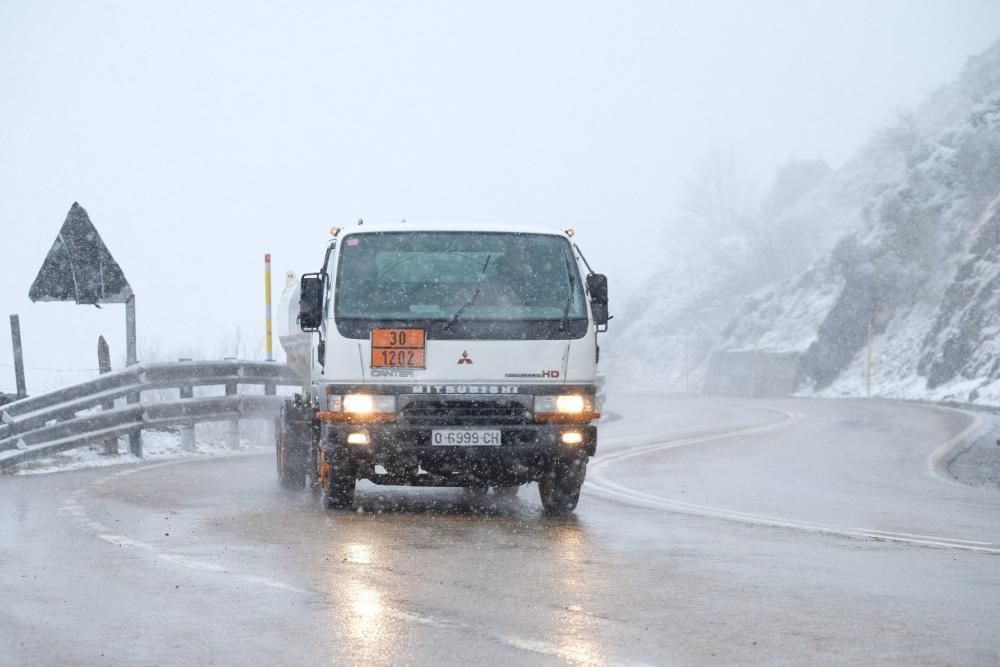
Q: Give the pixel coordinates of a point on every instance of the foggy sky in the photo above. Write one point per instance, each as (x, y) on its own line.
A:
(200, 138)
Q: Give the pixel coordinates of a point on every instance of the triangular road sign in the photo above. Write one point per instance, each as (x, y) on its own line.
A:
(79, 267)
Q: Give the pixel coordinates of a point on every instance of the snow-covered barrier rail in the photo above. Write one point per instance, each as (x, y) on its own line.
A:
(86, 413)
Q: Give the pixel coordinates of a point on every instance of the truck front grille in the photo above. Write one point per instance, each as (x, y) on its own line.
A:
(448, 412)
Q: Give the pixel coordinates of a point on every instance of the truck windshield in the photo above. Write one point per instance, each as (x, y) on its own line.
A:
(435, 275)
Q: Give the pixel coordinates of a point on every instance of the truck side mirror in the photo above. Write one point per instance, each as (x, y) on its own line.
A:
(312, 290)
(597, 287)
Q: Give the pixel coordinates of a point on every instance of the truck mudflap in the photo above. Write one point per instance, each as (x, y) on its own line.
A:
(296, 432)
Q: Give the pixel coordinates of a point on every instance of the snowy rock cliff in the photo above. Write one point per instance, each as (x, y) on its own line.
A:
(900, 247)
(919, 275)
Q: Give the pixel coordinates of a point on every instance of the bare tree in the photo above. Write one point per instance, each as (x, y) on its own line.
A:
(720, 200)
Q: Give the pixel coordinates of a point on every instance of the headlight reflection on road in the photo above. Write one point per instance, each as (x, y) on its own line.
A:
(360, 613)
(374, 634)
(359, 553)
(581, 651)
(366, 603)
(576, 636)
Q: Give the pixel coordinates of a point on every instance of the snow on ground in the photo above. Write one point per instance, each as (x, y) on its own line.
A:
(157, 446)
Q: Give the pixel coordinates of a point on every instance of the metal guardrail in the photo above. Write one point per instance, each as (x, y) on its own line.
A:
(84, 413)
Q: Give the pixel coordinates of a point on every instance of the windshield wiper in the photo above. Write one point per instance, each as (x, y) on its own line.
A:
(475, 295)
(569, 297)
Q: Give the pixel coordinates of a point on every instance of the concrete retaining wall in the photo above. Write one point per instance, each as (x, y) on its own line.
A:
(751, 373)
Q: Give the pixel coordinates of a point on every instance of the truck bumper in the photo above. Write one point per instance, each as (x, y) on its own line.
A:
(409, 458)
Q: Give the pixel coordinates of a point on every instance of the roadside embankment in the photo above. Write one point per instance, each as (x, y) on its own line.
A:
(977, 462)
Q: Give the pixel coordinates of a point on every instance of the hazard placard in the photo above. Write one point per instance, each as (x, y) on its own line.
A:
(398, 348)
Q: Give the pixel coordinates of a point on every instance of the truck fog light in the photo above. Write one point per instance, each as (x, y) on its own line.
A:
(572, 438)
(358, 438)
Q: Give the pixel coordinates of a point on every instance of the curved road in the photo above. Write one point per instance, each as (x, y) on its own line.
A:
(710, 530)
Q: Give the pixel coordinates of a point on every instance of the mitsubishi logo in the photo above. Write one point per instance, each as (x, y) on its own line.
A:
(465, 359)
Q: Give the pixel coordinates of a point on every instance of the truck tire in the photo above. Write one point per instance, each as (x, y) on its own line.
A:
(559, 488)
(338, 491)
(294, 430)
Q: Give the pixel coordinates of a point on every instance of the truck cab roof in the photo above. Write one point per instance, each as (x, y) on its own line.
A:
(376, 227)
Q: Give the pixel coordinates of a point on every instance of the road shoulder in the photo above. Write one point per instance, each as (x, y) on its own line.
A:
(977, 462)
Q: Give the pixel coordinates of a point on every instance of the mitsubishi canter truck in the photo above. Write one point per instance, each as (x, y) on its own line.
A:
(437, 355)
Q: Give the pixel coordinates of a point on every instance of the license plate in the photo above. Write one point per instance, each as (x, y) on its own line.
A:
(461, 437)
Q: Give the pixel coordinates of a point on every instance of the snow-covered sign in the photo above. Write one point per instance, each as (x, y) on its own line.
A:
(79, 267)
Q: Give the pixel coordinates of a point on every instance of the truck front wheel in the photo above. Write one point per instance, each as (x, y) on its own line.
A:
(560, 486)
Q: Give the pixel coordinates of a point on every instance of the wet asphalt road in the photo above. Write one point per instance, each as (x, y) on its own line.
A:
(711, 531)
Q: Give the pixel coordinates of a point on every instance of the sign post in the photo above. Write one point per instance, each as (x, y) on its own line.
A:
(130, 354)
(135, 438)
(270, 389)
(267, 307)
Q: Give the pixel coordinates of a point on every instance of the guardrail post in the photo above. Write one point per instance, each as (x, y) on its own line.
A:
(233, 427)
(15, 336)
(104, 366)
(187, 431)
(134, 438)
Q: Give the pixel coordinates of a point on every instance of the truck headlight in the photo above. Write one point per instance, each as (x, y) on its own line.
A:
(565, 408)
(361, 404)
(366, 404)
(570, 403)
(359, 407)
(563, 403)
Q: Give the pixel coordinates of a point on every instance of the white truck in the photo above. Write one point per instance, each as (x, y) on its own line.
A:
(437, 355)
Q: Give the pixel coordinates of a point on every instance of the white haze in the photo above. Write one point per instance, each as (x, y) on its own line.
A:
(199, 137)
